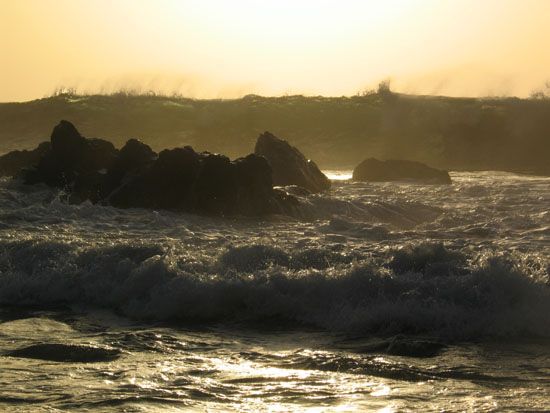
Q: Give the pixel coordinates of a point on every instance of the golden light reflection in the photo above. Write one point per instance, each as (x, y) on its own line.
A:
(338, 175)
(247, 368)
(381, 390)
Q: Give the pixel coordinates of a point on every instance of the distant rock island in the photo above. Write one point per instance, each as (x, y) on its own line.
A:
(91, 169)
(374, 170)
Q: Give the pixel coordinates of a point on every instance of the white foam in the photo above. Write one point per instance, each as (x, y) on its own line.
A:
(493, 297)
(483, 272)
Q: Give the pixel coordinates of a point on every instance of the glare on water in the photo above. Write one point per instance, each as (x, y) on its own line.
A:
(283, 315)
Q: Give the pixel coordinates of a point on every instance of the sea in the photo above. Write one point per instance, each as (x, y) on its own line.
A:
(383, 297)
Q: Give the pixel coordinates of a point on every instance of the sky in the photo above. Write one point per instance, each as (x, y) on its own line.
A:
(226, 49)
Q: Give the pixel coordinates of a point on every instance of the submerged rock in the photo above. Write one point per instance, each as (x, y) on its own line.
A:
(135, 176)
(297, 190)
(403, 346)
(74, 353)
(409, 347)
(289, 165)
(375, 170)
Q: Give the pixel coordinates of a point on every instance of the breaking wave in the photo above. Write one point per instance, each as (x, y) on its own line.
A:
(421, 288)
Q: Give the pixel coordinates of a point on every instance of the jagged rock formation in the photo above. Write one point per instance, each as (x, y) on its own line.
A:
(289, 165)
(374, 170)
(135, 176)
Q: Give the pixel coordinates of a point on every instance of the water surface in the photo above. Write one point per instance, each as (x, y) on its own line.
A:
(387, 296)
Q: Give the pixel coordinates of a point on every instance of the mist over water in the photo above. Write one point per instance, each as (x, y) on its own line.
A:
(460, 81)
(332, 310)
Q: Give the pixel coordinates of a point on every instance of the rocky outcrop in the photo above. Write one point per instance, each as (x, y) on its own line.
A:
(134, 157)
(205, 183)
(163, 183)
(374, 170)
(72, 158)
(177, 179)
(13, 162)
(289, 165)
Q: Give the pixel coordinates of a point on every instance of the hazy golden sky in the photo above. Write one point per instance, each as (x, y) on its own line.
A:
(215, 48)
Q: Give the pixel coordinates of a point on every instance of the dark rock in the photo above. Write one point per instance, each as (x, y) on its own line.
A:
(134, 155)
(87, 186)
(98, 154)
(177, 179)
(254, 191)
(67, 144)
(13, 162)
(399, 170)
(285, 203)
(49, 171)
(289, 165)
(167, 183)
(296, 190)
(215, 190)
(70, 156)
(403, 346)
(133, 159)
(170, 179)
(206, 183)
(74, 353)
(414, 347)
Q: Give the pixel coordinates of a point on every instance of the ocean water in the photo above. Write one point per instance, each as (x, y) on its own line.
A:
(379, 297)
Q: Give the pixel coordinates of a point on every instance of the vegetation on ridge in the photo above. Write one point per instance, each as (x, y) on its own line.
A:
(451, 133)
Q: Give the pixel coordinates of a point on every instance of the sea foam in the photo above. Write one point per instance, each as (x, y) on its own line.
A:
(422, 289)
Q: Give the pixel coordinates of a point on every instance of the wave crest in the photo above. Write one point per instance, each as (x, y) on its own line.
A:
(483, 296)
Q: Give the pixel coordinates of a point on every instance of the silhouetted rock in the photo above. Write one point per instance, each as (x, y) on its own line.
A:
(98, 154)
(205, 183)
(289, 165)
(297, 190)
(404, 346)
(374, 170)
(132, 160)
(165, 183)
(177, 179)
(13, 162)
(215, 187)
(134, 155)
(254, 191)
(74, 353)
(70, 156)
(67, 143)
(87, 186)
(285, 203)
